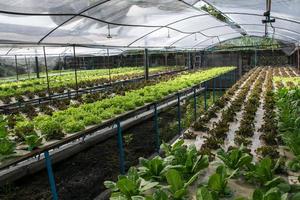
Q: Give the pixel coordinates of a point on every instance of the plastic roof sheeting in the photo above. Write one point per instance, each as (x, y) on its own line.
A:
(57, 51)
(114, 23)
(249, 15)
(136, 24)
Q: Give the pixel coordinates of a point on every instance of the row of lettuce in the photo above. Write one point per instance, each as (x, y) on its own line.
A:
(75, 119)
(288, 103)
(67, 81)
(169, 175)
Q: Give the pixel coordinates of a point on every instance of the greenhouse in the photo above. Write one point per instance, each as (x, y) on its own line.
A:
(150, 100)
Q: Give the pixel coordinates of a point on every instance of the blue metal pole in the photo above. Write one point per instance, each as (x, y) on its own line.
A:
(121, 148)
(50, 176)
(179, 113)
(195, 105)
(205, 100)
(156, 128)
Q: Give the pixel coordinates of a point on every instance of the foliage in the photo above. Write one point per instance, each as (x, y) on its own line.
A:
(33, 141)
(23, 129)
(7, 147)
(217, 182)
(235, 158)
(262, 172)
(129, 186)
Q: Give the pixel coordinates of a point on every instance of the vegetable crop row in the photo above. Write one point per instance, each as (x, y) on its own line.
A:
(75, 119)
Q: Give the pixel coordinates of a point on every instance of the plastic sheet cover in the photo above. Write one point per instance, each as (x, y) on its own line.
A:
(249, 15)
(114, 23)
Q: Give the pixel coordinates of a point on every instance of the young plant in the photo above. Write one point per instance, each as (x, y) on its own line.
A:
(235, 158)
(263, 172)
(217, 183)
(177, 186)
(33, 141)
(131, 186)
(7, 147)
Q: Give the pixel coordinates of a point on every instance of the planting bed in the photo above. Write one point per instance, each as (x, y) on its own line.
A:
(86, 165)
(26, 90)
(246, 146)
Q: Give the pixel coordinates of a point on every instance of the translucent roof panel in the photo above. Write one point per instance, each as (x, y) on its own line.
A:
(249, 15)
(47, 6)
(57, 51)
(130, 23)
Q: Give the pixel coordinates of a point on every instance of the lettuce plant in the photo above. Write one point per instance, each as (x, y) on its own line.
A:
(234, 159)
(263, 172)
(7, 147)
(131, 186)
(33, 141)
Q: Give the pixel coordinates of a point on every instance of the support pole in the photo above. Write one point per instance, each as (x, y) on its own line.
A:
(195, 104)
(108, 64)
(37, 67)
(157, 136)
(75, 66)
(27, 68)
(298, 58)
(240, 61)
(178, 113)
(220, 84)
(175, 58)
(16, 63)
(121, 148)
(47, 77)
(214, 89)
(146, 64)
(166, 58)
(50, 176)
(205, 96)
(29, 64)
(190, 60)
(255, 58)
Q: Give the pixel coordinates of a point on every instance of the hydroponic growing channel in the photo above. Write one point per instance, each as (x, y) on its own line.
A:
(153, 100)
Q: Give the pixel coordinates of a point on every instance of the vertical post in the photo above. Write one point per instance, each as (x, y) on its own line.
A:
(189, 61)
(175, 58)
(205, 100)
(146, 64)
(75, 63)
(37, 67)
(16, 62)
(47, 77)
(108, 64)
(214, 89)
(121, 148)
(240, 61)
(298, 58)
(157, 136)
(27, 68)
(195, 104)
(255, 58)
(50, 176)
(178, 113)
(29, 64)
(166, 58)
(220, 84)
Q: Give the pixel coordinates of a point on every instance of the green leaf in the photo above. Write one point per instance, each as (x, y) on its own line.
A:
(127, 187)
(203, 194)
(160, 195)
(258, 195)
(111, 185)
(174, 180)
(296, 196)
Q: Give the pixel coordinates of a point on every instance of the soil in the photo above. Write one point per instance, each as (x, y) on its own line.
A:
(82, 176)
